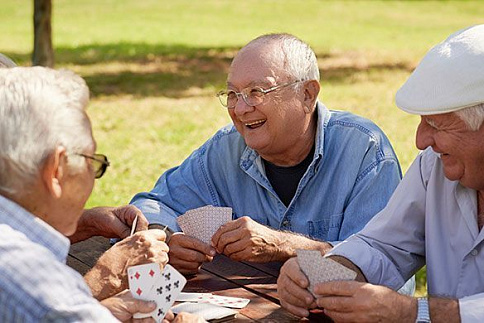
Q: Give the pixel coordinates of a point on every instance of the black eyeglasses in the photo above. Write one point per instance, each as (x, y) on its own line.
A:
(99, 163)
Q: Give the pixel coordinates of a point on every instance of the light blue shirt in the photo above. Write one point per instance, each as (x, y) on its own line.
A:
(35, 283)
(429, 220)
(350, 179)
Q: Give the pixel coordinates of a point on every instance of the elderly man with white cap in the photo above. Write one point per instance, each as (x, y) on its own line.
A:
(436, 215)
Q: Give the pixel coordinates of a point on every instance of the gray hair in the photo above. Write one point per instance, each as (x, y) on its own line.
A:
(40, 110)
(299, 59)
(6, 62)
(473, 116)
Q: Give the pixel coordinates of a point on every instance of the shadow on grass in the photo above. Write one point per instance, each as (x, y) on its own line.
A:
(175, 71)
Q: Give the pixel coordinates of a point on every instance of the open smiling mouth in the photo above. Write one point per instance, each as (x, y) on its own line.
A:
(255, 124)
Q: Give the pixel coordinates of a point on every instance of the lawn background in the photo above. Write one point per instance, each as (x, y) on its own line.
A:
(153, 67)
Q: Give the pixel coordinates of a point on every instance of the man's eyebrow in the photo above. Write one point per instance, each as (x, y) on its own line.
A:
(431, 123)
(255, 83)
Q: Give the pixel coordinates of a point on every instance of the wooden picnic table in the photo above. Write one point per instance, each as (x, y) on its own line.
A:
(223, 276)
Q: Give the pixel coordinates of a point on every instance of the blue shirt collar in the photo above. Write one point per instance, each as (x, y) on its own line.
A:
(249, 156)
(34, 228)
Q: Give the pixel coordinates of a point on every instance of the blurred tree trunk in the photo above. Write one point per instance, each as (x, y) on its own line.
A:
(43, 52)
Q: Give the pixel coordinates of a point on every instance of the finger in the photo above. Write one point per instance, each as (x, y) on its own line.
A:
(187, 258)
(156, 247)
(169, 316)
(151, 235)
(161, 259)
(337, 288)
(298, 311)
(192, 243)
(292, 293)
(145, 306)
(236, 246)
(227, 227)
(336, 303)
(292, 270)
(126, 215)
(229, 237)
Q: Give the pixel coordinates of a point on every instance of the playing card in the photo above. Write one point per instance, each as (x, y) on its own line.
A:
(191, 297)
(205, 310)
(165, 291)
(203, 222)
(225, 301)
(141, 278)
(319, 269)
(133, 225)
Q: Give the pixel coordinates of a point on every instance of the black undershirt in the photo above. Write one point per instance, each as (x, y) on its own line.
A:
(285, 180)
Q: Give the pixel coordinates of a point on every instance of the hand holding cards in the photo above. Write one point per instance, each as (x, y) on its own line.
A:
(147, 282)
(203, 222)
(319, 269)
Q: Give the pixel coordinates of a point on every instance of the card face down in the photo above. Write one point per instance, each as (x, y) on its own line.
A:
(205, 310)
(225, 301)
(319, 269)
(203, 222)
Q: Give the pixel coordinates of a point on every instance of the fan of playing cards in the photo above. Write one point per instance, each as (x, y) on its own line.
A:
(147, 282)
(203, 222)
(319, 269)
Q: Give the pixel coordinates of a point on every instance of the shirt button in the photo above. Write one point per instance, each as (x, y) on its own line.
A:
(285, 223)
(474, 252)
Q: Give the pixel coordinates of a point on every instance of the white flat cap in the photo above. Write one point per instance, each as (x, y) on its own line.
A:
(449, 78)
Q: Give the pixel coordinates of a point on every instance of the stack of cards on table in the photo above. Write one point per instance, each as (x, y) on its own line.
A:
(147, 282)
(209, 306)
(205, 310)
(203, 222)
(319, 269)
(204, 298)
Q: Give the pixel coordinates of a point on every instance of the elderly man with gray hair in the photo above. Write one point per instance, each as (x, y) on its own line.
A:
(436, 215)
(47, 170)
(296, 174)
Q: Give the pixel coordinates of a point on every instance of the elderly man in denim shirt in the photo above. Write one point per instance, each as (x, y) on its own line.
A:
(296, 175)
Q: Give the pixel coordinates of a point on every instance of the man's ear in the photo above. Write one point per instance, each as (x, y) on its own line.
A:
(311, 91)
(54, 170)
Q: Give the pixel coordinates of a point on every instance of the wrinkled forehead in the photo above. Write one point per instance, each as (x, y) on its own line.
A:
(256, 64)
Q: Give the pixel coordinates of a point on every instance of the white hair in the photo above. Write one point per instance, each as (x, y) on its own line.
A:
(299, 59)
(473, 116)
(40, 110)
(6, 62)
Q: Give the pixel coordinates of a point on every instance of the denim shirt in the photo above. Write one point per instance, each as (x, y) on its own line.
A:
(350, 179)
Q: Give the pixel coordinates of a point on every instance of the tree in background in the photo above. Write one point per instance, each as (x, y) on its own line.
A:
(43, 52)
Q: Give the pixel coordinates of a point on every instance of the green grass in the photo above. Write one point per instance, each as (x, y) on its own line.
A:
(153, 67)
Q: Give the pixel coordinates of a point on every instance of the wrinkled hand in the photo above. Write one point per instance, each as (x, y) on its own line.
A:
(350, 301)
(123, 306)
(108, 276)
(292, 287)
(187, 254)
(109, 222)
(185, 317)
(246, 240)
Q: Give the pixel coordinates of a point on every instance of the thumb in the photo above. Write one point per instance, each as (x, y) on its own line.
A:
(120, 229)
(140, 306)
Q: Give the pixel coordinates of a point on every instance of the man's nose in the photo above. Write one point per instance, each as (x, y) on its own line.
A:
(241, 107)
(425, 135)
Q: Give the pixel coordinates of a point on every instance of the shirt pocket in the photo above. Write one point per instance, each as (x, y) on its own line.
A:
(326, 229)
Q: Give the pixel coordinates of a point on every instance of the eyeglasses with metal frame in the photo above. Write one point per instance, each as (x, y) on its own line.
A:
(99, 163)
(252, 96)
